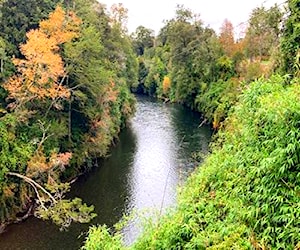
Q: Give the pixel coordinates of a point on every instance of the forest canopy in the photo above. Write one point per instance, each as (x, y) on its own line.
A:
(64, 98)
(245, 195)
(67, 71)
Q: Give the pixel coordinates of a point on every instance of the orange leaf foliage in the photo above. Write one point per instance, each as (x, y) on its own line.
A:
(40, 164)
(61, 159)
(111, 92)
(166, 84)
(61, 26)
(227, 38)
(40, 73)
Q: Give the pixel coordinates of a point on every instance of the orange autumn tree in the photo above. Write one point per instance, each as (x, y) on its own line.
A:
(166, 84)
(41, 73)
(226, 38)
(40, 76)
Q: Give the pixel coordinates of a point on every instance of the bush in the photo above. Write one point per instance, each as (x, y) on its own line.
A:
(217, 98)
(246, 193)
(99, 239)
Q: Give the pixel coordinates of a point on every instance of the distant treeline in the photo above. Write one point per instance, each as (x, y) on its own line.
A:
(246, 193)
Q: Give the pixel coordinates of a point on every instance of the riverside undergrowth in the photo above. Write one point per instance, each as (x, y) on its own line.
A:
(246, 194)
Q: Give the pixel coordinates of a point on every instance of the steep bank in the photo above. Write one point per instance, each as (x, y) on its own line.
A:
(246, 193)
(130, 178)
(62, 105)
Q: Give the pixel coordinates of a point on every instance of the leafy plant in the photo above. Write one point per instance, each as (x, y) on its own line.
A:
(246, 193)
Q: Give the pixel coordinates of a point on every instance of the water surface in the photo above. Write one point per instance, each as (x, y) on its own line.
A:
(152, 157)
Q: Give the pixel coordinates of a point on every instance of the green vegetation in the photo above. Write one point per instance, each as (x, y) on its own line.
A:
(291, 39)
(66, 71)
(64, 98)
(100, 238)
(246, 194)
(18, 18)
(207, 71)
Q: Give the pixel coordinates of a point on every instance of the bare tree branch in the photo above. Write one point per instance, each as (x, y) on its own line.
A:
(35, 185)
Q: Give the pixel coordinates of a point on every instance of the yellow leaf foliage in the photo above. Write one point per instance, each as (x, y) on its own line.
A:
(40, 74)
(8, 191)
(61, 26)
(39, 163)
(166, 84)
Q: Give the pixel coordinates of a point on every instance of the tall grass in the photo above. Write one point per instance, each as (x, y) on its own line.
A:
(246, 195)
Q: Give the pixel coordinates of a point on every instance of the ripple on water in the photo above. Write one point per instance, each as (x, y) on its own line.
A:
(152, 157)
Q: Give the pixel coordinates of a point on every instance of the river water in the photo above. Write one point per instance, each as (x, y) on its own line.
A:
(153, 157)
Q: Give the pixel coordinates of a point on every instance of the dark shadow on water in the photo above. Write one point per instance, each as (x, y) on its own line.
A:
(105, 187)
(152, 157)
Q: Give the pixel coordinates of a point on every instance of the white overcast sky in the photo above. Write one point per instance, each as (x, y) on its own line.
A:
(151, 13)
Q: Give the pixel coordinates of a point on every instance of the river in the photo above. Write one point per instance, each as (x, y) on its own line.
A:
(143, 171)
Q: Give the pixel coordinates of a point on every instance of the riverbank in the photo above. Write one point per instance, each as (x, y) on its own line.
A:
(152, 157)
(63, 101)
(245, 195)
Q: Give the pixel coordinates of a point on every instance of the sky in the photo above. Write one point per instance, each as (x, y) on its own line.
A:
(152, 13)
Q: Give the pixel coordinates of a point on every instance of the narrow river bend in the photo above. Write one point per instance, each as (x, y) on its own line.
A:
(143, 171)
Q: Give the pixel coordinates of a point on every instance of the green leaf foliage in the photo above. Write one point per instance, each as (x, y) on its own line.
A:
(246, 193)
(216, 99)
(15, 151)
(100, 238)
(53, 140)
(291, 39)
(64, 212)
(18, 17)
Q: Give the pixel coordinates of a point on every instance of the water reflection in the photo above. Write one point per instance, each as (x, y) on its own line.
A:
(143, 171)
(107, 188)
(154, 162)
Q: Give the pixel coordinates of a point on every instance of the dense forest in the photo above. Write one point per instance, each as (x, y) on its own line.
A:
(245, 195)
(68, 69)
(191, 64)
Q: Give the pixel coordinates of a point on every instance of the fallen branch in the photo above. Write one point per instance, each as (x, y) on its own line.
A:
(202, 123)
(35, 185)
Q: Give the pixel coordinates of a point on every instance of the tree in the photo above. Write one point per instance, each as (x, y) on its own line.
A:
(119, 16)
(101, 66)
(18, 17)
(155, 76)
(40, 78)
(263, 32)
(143, 38)
(50, 200)
(68, 100)
(227, 38)
(41, 73)
(182, 33)
(291, 39)
(119, 49)
(184, 51)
